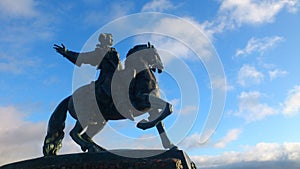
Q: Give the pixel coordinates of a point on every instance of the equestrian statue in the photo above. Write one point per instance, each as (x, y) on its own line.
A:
(117, 94)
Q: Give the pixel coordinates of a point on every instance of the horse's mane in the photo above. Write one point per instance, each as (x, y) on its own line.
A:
(138, 48)
(112, 58)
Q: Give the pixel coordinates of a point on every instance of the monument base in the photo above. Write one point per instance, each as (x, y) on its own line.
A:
(115, 159)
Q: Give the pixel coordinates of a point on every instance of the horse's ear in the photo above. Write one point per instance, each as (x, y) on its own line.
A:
(149, 45)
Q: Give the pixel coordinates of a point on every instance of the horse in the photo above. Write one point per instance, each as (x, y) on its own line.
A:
(92, 111)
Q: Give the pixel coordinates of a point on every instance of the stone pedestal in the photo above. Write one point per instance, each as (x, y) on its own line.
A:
(115, 159)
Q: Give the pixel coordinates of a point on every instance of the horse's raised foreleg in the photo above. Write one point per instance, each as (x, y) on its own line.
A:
(156, 103)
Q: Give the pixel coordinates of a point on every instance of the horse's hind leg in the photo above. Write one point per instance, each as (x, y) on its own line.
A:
(56, 125)
(75, 134)
(91, 131)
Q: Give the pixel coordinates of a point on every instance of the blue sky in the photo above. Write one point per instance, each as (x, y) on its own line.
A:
(256, 42)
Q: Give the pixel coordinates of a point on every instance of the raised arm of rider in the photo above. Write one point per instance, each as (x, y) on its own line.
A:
(70, 55)
(92, 58)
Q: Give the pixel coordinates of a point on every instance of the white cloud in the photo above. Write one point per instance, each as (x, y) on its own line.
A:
(188, 109)
(51, 80)
(259, 45)
(195, 140)
(231, 135)
(258, 153)
(233, 14)
(20, 139)
(251, 109)
(171, 47)
(291, 105)
(175, 34)
(27, 32)
(23, 22)
(10, 64)
(254, 12)
(158, 6)
(221, 83)
(18, 8)
(102, 15)
(277, 73)
(293, 6)
(175, 102)
(249, 75)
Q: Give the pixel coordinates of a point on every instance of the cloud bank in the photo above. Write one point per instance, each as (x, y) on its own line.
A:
(265, 154)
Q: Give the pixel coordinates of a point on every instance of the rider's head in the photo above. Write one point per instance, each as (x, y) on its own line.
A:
(105, 39)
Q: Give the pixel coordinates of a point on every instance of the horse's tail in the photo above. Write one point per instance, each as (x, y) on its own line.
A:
(56, 125)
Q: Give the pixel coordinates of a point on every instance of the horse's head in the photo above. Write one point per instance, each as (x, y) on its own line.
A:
(146, 54)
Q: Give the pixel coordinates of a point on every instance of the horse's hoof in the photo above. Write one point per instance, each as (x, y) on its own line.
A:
(52, 143)
(169, 145)
(84, 149)
(174, 148)
(95, 149)
(144, 124)
(48, 150)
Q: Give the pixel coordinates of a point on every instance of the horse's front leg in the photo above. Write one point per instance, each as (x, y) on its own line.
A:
(167, 144)
(156, 103)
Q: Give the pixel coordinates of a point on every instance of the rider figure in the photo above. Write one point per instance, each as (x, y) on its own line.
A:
(102, 51)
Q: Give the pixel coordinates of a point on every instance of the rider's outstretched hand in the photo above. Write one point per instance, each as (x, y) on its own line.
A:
(60, 49)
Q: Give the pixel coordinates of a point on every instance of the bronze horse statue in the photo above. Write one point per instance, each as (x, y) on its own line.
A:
(118, 94)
